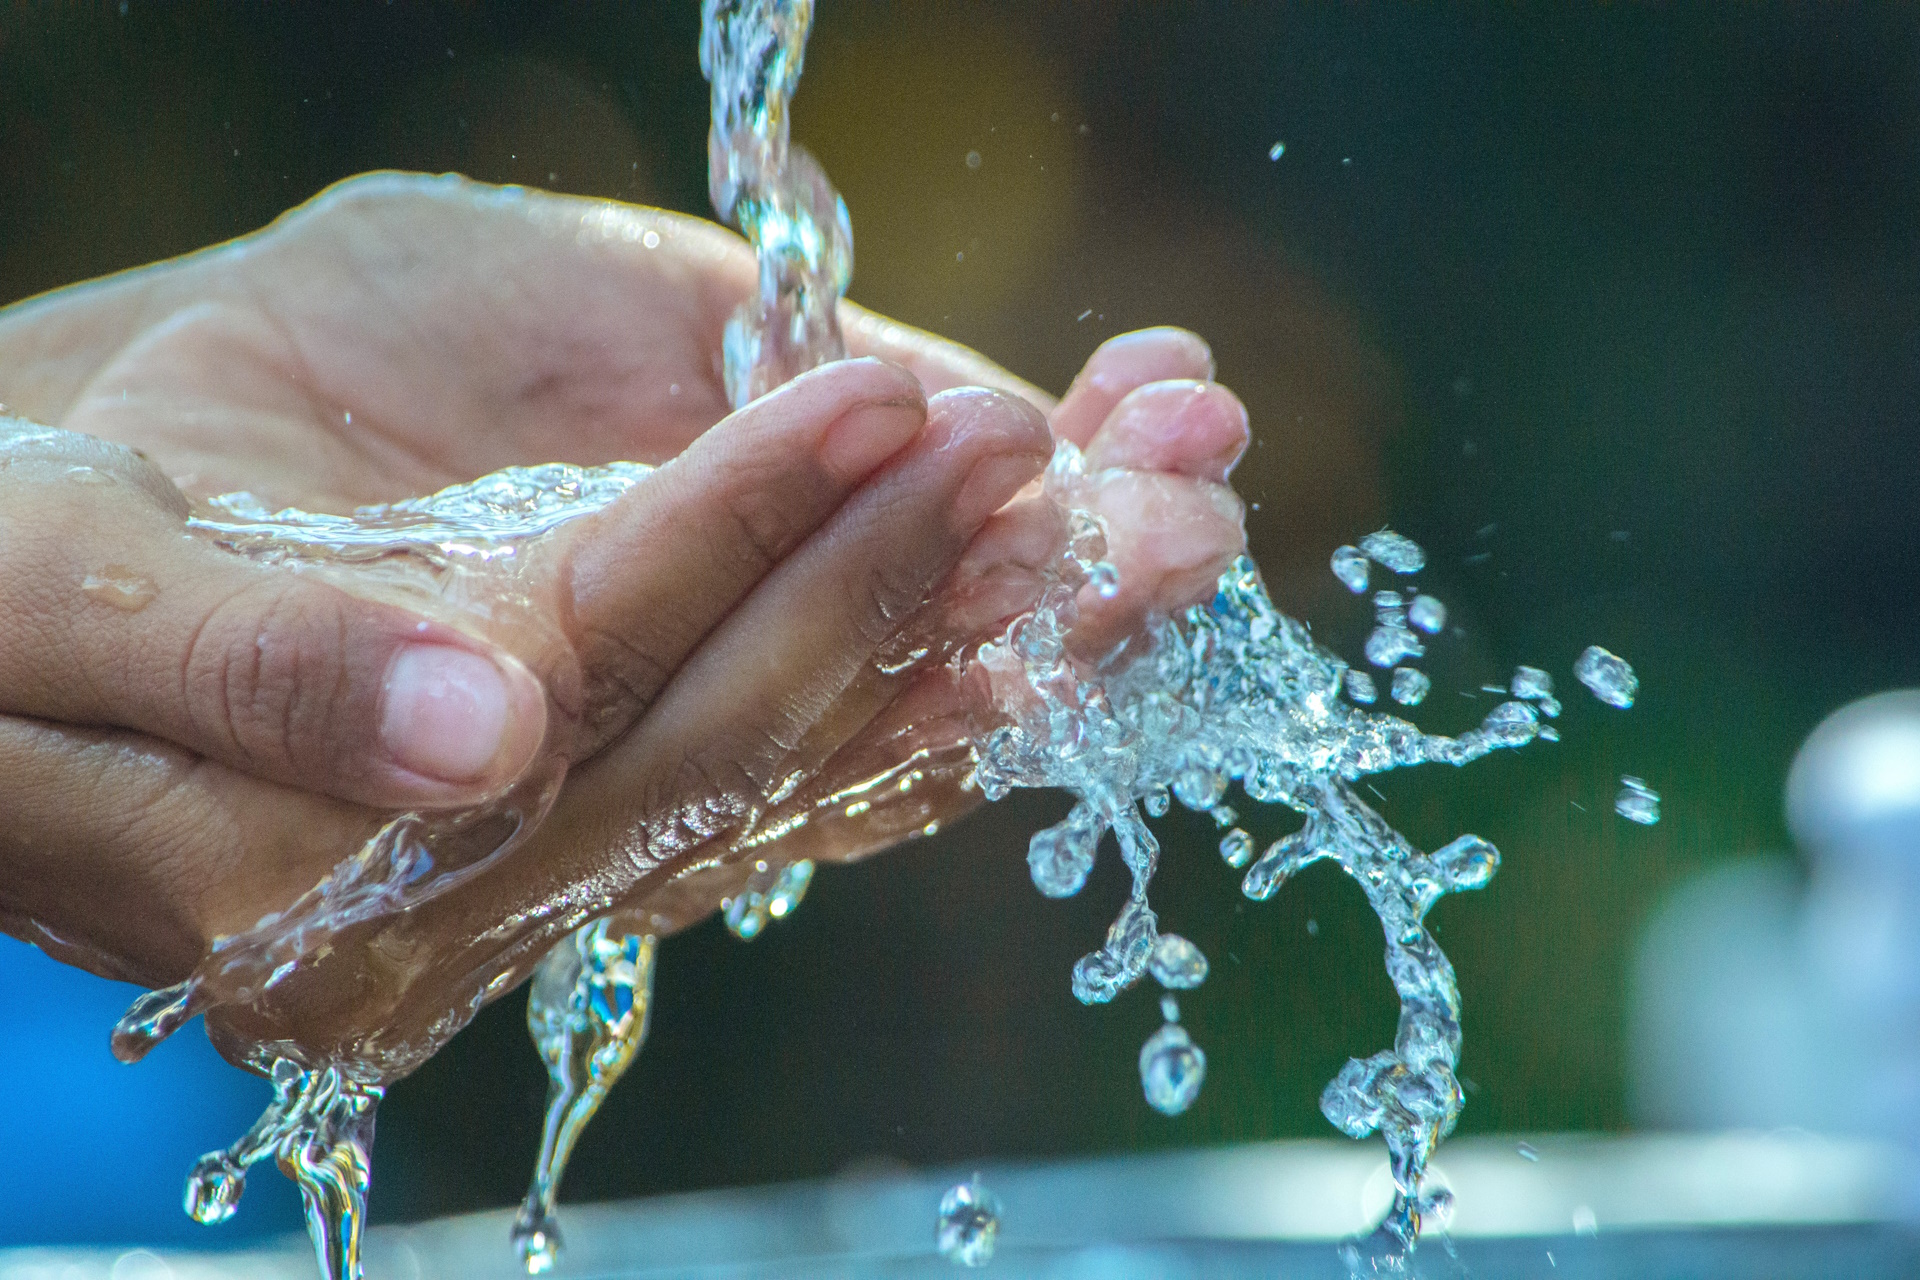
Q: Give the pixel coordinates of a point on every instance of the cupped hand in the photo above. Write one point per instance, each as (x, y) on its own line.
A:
(189, 740)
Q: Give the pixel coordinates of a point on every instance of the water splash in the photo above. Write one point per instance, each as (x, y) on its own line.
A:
(588, 1011)
(319, 1128)
(1236, 690)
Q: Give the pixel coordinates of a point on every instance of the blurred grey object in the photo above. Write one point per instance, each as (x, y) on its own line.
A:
(1784, 1205)
(1764, 998)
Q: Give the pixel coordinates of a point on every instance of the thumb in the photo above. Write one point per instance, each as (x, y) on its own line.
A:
(111, 616)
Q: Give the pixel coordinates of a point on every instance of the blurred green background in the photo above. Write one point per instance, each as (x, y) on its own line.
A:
(1613, 308)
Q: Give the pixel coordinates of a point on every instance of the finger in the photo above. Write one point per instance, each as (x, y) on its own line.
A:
(766, 696)
(1181, 427)
(135, 854)
(111, 616)
(939, 364)
(1121, 364)
(653, 574)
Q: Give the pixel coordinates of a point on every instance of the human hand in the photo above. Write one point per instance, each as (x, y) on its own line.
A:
(388, 301)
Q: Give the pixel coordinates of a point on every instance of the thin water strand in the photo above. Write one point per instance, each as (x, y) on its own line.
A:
(588, 1010)
(752, 52)
(319, 1130)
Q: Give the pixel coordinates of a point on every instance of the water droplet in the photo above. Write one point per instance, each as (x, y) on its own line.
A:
(1172, 1068)
(1360, 687)
(968, 1225)
(214, 1188)
(1531, 682)
(538, 1245)
(1527, 1152)
(1157, 802)
(1060, 857)
(1104, 579)
(973, 159)
(1608, 676)
(1394, 551)
(1198, 788)
(1410, 686)
(1350, 566)
(1277, 150)
(1427, 613)
(1389, 644)
(1637, 802)
(1237, 848)
(1223, 815)
(1170, 1007)
(1177, 964)
(120, 587)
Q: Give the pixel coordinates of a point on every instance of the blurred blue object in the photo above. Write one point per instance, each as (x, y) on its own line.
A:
(97, 1151)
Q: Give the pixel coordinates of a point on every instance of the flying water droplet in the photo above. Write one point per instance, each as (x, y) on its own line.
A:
(1060, 857)
(1172, 1068)
(1277, 150)
(1637, 802)
(968, 1225)
(1531, 682)
(1177, 964)
(1427, 613)
(1608, 676)
(1394, 551)
(1236, 847)
(1360, 686)
(1410, 686)
(1389, 644)
(1350, 566)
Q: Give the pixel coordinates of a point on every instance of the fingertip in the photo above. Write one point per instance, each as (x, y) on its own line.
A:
(1008, 439)
(1122, 363)
(1182, 427)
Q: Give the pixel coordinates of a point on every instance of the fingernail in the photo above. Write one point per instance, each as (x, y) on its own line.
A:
(446, 712)
(1148, 355)
(864, 437)
(991, 484)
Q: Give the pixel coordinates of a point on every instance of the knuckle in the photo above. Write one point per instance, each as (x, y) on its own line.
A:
(265, 671)
(760, 524)
(890, 591)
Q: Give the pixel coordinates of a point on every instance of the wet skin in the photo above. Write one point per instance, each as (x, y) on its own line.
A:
(707, 659)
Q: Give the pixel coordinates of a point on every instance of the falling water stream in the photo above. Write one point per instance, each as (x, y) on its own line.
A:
(1230, 692)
